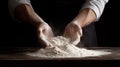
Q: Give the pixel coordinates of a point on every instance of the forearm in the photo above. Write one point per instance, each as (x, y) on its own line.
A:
(25, 13)
(85, 17)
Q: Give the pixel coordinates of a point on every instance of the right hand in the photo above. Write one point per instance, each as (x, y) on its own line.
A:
(73, 31)
(44, 34)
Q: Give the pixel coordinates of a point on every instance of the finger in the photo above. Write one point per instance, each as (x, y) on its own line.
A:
(66, 32)
(50, 46)
(45, 43)
(80, 30)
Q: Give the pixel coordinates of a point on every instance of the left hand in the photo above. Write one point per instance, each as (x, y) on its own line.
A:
(44, 34)
(73, 31)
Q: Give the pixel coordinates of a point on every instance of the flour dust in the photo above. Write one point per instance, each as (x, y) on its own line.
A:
(63, 49)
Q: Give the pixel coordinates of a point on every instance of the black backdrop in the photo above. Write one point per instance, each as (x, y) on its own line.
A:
(108, 28)
(15, 34)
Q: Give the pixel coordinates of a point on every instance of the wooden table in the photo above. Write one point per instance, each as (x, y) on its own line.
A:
(16, 53)
(13, 56)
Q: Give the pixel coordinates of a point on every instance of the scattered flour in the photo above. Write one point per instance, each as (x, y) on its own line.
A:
(63, 49)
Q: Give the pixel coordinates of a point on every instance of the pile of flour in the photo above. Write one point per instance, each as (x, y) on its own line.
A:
(63, 49)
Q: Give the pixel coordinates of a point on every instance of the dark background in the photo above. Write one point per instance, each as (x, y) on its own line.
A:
(15, 34)
(108, 28)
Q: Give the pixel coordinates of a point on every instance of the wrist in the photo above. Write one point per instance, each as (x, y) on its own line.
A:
(77, 22)
(37, 24)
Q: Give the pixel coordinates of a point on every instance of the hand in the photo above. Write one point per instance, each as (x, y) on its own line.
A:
(44, 34)
(73, 31)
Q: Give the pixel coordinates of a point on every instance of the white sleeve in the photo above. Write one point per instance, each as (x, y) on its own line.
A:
(12, 4)
(96, 5)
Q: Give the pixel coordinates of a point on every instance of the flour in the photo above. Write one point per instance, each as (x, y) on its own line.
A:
(64, 49)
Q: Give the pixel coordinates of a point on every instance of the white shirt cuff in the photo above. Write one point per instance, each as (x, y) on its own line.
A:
(97, 6)
(12, 4)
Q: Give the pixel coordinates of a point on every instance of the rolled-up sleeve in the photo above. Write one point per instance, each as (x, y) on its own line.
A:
(12, 4)
(96, 5)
